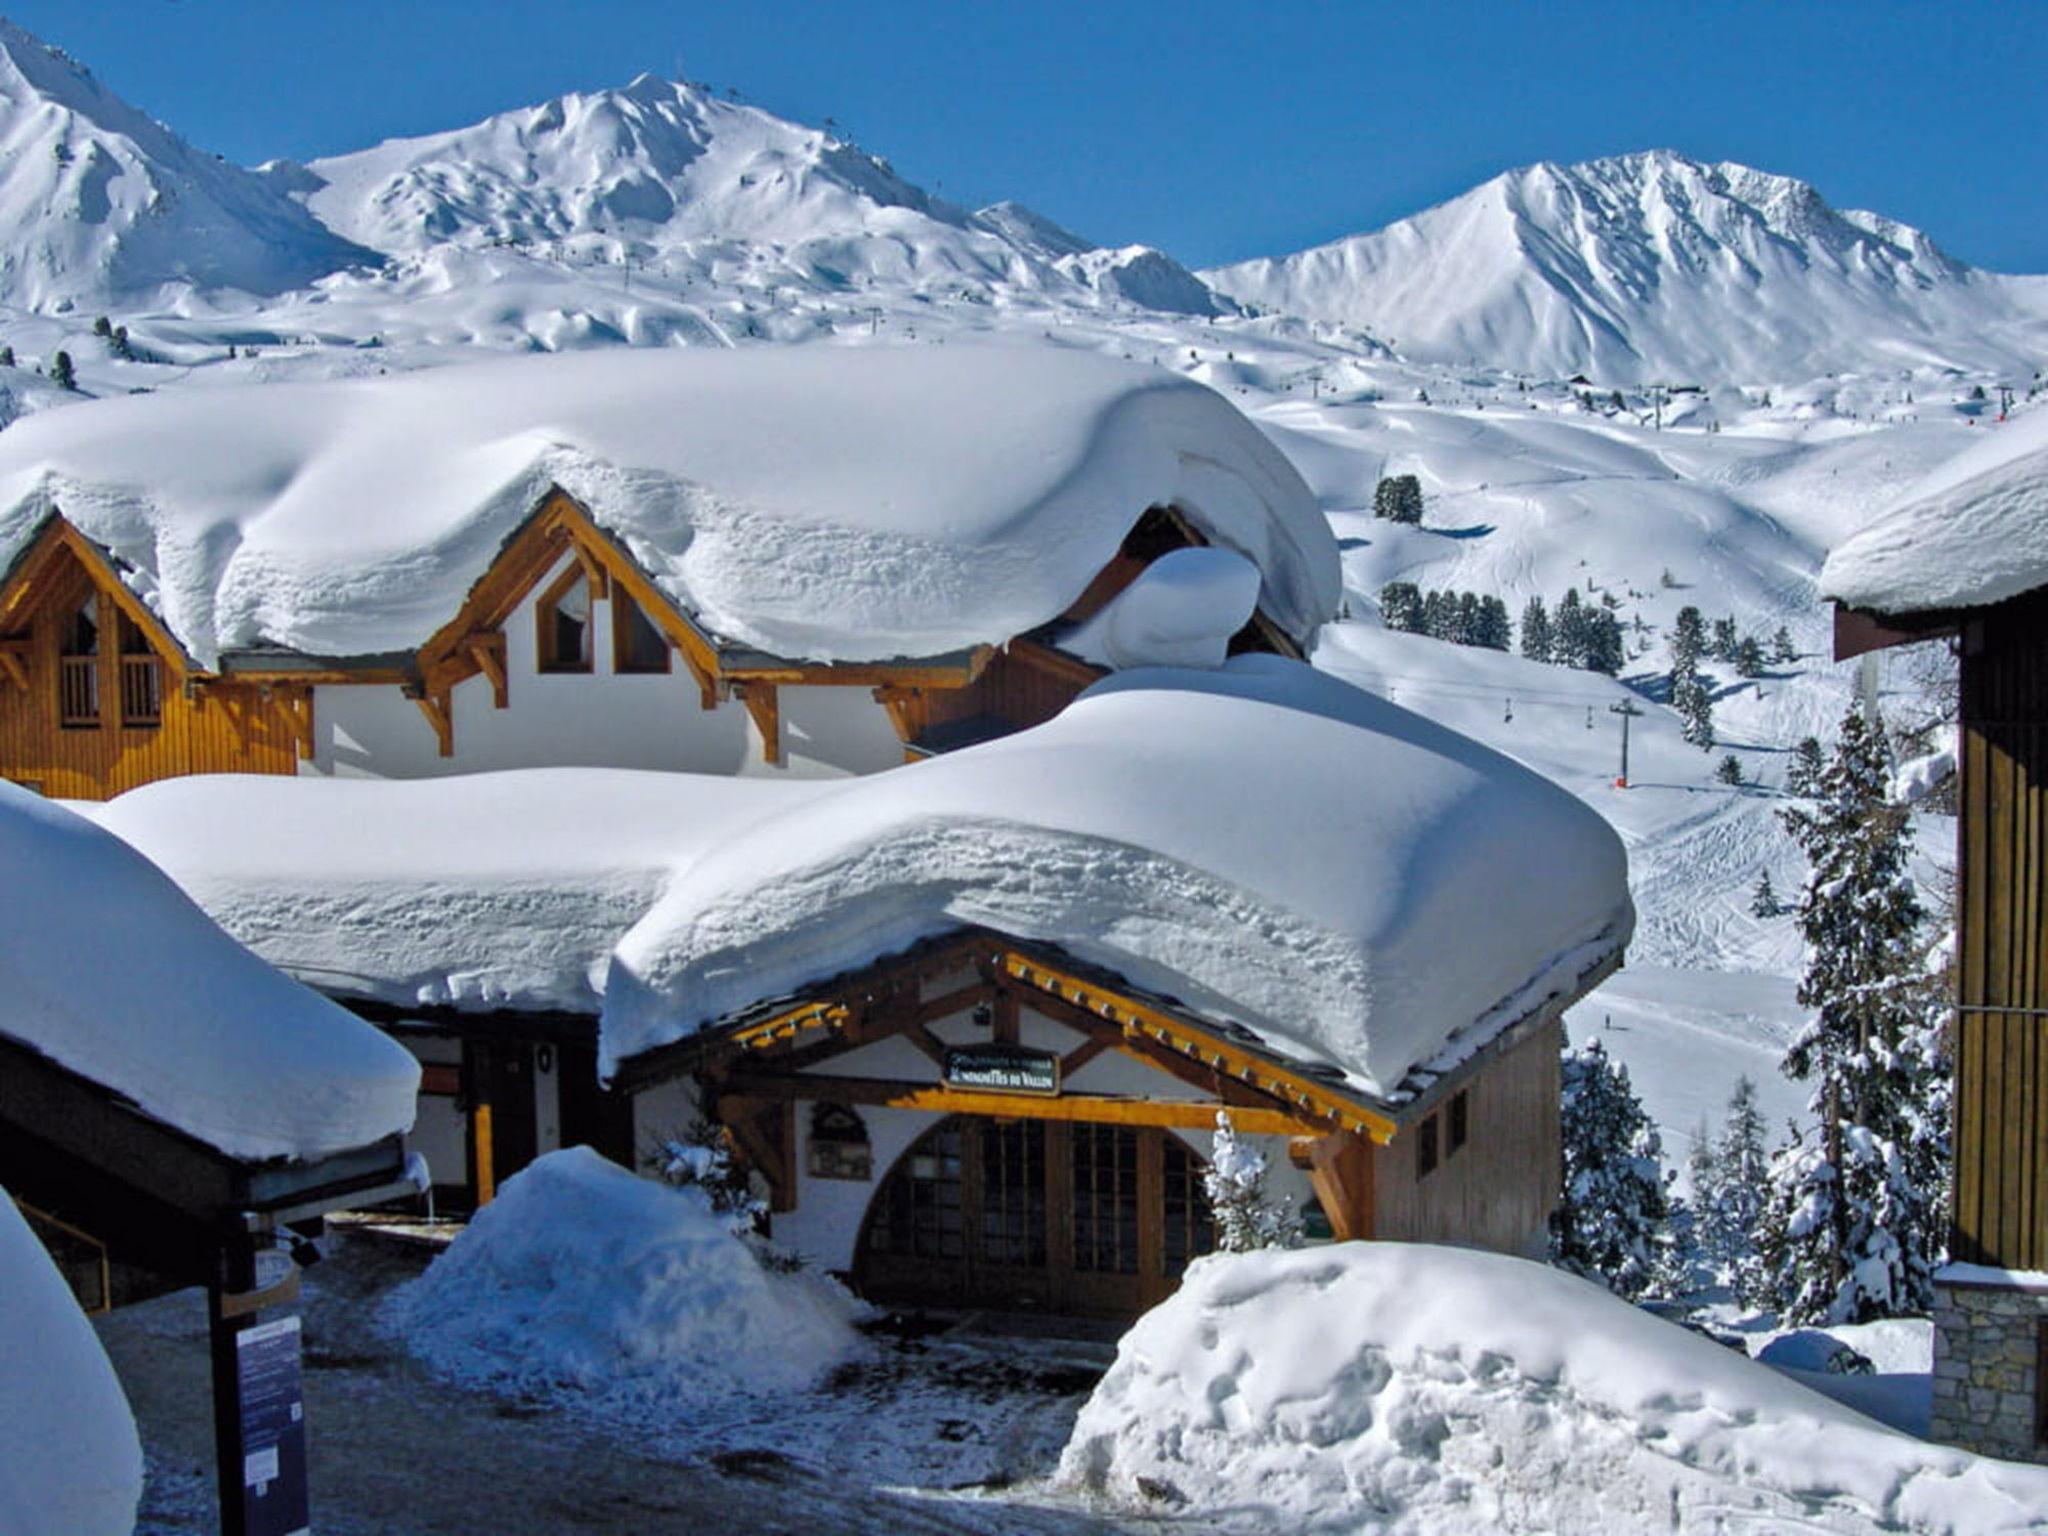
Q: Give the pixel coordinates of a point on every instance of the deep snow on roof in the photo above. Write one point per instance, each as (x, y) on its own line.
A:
(829, 503)
(484, 891)
(1265, 843)
(109, 970)
(1974, 532)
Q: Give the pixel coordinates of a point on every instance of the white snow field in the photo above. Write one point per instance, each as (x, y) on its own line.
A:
(1425, 1391)
(190, 1026)
(496, 889)
(582, 1275)
(70, 1461)
(1318, 916)
(1974, 532)
(823, 503)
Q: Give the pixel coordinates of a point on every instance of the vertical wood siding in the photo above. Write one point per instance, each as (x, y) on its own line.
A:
(2001, 1031)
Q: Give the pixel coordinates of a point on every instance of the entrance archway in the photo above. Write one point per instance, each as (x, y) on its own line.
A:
(1085, 1218)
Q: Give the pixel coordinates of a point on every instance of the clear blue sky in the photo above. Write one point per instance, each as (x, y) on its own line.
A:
(1216, 131)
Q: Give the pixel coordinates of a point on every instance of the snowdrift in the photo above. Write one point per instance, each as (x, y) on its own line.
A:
(1974, 532)
(585, 1276)
(1429, 1391)
(1267, 844)
(487, 890)
(70, 1460)
(187, 1023)
(827, 503)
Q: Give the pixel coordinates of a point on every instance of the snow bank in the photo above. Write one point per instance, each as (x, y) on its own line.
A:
(583, 1275)
(1180, 612)
(844, 504)
(69, 1457)
(1266, 843)
(488, 890)
(169, 1011)
(1423, 1390)
(1974, 532)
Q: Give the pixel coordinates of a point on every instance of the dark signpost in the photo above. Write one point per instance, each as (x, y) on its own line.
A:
(1001, 1068)
(273, 1422)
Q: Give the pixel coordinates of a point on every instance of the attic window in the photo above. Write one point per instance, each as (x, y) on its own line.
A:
(1460, 1122)
(1425, 1148)
(563, 619)
(78, 668)
(637, 646)
(142, 680)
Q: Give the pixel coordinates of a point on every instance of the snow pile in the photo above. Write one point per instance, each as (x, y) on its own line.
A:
(177, 1016)
(1266, 843)
(69, 1457)
(1180, 612)
(1423, 1390)
(825, 503)
(1654, 265)
(101, 201)
(1974, 532)
(585, 1276)
(488, 890)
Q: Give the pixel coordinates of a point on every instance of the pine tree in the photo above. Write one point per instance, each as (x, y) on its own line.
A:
(60, 371)
(1689, 693)
(6, 357)
(1763, 902)
(1496, 630)
(1604, 648)
(1535, 630)
(1853, 1225)
(1398, 498)
(1612, 1219)
(1782, 648)
(1725, 640)
(1235, 1182)
(1568, 630)
(1729, 771)
(1465, 619)
(1401, 606)
(1802, 775)
(1749, 657)
(1438, 610)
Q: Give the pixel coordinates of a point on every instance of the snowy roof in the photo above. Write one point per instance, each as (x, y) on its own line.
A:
(69, 1457)
(827, 503)
(490, 890)
(1267, 844)
(1972, 533)
(110, 971)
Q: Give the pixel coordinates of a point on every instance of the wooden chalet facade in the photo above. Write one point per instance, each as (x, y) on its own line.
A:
(564, 651)
(1991, 1363)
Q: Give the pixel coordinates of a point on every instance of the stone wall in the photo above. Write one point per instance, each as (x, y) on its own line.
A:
(1987, 1362)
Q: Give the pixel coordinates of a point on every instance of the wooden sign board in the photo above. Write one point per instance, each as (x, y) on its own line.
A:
(1001, 1068)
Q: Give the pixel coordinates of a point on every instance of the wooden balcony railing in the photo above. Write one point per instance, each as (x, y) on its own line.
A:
(78, 691)
(142, 691)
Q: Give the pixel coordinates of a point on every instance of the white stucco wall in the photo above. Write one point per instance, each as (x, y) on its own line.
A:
(598, 719)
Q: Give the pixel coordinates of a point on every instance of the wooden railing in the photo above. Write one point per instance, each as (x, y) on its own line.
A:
(142, 691)
(78, 690)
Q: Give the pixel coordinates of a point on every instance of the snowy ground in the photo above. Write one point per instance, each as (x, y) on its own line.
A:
(921, 1434)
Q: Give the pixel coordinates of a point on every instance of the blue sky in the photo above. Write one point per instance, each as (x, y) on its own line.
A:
(1216, 131)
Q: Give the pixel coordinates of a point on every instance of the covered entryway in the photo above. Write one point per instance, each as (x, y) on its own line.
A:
(1071, 1217)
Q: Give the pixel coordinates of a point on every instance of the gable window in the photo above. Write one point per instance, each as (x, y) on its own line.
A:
(563, 616)
(1425, 1148)
(78, 668)
(637, 646)
(1460, 1122)
(142, 682)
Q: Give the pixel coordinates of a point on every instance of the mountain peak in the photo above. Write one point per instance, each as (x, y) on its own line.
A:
(1652, 265)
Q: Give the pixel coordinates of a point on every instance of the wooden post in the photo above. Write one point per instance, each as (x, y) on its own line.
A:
(234, 1274)
(1340, 1169)
(480, 1141)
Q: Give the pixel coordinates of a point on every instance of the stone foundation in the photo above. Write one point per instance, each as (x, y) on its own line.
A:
(1988, 1350)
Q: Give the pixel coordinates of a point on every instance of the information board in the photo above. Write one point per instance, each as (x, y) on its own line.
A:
(273, 1429)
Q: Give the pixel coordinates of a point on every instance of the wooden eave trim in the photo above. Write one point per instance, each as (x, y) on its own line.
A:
(316, 677)
(1096, 1108)
(31, 570)
(878, 674)
(1860, 630)
(1041, 657)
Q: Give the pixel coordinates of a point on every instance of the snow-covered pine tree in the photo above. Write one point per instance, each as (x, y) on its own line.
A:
(1725, 640)
(1438, 610)
(1612, 1219)
(1690, 695)
(61, 373)
(1235, 1182)
(1782, 648)
(1568, 630)
(1802, 774)
(1398, 498)
(1729, 769)
(1763, 901)
(1604, 648)
(1401, 606)
(1536, 630)
(1853, 1226)
(1465, 627)
(1496, 630)
(1749, 657)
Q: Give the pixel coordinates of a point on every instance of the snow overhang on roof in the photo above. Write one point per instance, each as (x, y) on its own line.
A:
(823, 503)
(1973, 533)
(111, 972)
(1274, 848)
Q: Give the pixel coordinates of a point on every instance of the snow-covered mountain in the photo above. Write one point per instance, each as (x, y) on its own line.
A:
(665, 174)
(1653, 267)
(100, 202)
